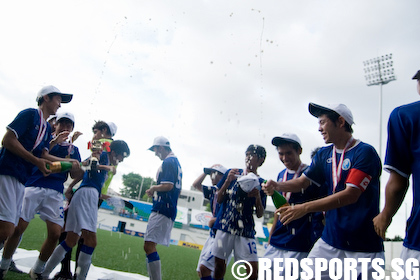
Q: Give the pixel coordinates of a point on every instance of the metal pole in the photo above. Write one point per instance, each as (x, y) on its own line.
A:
(141, 187)
(380, 122)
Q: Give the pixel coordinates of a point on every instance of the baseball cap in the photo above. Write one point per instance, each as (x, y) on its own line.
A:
(341, 109)
(65, 115)
(417, 76)
(217, 167)
(65, 97)
(160, 141)
(286, 137)
(112, 128)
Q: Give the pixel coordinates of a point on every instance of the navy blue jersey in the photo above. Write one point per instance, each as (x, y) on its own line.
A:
(403, 156)
(350, 227)
(170, 172)
(34, 133)
(235, 215)
(96, 179)
(54, 181)
(300, 234)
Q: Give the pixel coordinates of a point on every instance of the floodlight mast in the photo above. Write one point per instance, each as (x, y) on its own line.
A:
(379, 71)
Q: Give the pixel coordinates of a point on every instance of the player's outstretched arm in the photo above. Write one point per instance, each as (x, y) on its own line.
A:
(395, 191)
(11, 143)
(197, 184)
(339, 199)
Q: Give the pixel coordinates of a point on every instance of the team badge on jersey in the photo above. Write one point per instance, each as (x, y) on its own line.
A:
(346, 164)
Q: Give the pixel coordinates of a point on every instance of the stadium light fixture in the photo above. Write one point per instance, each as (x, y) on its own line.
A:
(379, 71)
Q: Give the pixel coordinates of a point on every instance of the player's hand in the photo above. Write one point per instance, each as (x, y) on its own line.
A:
(254, 193)
(268, 187)
(113, 170)
(211, 222)
(41, 163)
(233, 174)
(150, 191)
(62, 136)
(381, 223)
(76, 135)
(291, 213)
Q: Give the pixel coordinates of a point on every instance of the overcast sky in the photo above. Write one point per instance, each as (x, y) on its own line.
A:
(212, 76)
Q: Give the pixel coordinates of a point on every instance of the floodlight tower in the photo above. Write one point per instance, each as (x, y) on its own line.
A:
(379, 71)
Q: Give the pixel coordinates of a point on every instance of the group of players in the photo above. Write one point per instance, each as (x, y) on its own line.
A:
(333, 204)
(34, 141)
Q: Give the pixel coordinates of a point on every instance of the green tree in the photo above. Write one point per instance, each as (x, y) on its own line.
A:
(133, 183)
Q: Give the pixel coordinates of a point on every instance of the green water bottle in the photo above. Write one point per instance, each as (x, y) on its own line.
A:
(59, 166)
(279, 200)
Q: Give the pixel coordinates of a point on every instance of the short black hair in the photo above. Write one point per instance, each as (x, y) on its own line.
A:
(333, 116)
(101, 125)
(120, 147)
(258, 150)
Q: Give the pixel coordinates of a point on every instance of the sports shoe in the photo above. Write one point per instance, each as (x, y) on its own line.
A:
(36, 276)
(63, 276)
(14, 268)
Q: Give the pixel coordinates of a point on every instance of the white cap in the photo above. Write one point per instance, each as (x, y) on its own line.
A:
(112, 128)
(65, 97)
(286, 138)
(341, 109)
(160, 141)
(65, 115)
(249, 182)
(217, 167)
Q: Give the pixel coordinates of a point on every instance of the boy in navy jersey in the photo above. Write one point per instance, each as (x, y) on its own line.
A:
(165, 198)
(44, 195)
(402, 160)
(25, 145)
(235, 221)
(83, 212)
(350, 169)
(296, 239)
(205, 265)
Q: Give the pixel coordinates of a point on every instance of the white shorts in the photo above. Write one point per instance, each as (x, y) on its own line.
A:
(11, 197)
(83, 211)
(244, 248)
(207, 257)
(408, 254)
(47, 202)
(273, 252)
(323, 250)
(159, 229)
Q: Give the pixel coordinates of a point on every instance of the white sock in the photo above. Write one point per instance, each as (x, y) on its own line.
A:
(56, 257)
(154, 270)
(38, 266)
(83, 263)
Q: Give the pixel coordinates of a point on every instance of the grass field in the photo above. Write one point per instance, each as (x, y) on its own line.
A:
(124, 253)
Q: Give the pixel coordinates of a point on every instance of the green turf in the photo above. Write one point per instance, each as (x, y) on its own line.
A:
(124, 253)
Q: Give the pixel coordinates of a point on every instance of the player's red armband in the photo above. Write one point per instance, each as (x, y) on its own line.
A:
(359, 179)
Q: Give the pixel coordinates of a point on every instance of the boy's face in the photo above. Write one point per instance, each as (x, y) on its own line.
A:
(327, 128)
(252, 161)
(215, 177)
(116, 158)
(52, 103)
(64, 125)
(99, 134)
(289, 156)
